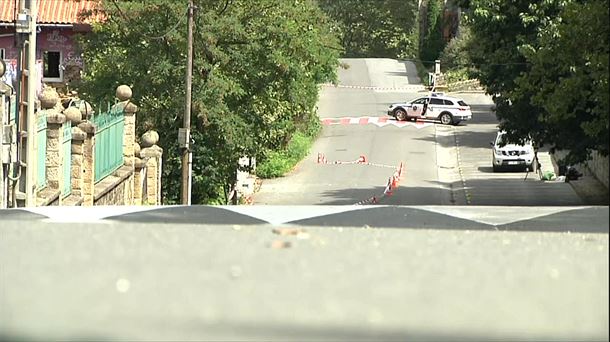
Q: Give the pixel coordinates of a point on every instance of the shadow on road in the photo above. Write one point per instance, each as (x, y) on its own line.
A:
(468, 139)
(397, 73)
(193, 328)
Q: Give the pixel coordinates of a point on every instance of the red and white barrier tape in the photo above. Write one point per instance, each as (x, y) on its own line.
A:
(361, 160)
(393, 181)
(392, 184)
(322, 160)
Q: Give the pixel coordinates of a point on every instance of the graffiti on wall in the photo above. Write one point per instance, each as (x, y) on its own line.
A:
(73, 59)
(55, 40)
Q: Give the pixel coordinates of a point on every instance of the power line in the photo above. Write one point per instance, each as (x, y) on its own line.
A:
(475, 65)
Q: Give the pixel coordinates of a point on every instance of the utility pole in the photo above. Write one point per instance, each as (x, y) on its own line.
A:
(185, 132)
(24, 193)
(30, 183)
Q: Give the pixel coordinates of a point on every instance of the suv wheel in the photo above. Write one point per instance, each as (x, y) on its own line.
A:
(446, 119)
(400, 114)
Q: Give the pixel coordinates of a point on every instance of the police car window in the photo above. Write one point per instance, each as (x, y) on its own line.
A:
(436, 101)
(448, 103)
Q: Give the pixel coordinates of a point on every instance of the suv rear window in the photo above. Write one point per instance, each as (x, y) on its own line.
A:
(436, 101)
(448, 103)
(462, 103)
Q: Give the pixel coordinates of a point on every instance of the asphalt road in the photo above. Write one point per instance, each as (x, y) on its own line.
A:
(443, 165)
(431, 271)
(366, 89)
(121, 280)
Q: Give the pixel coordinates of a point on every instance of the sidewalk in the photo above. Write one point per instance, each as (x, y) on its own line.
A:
(590, 190)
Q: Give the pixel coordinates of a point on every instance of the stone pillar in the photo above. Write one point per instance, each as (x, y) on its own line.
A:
(138, 180)
(139, 166)
(124, 93)
(54, 159)
(88, 162)
(77, 172)
(153, 168)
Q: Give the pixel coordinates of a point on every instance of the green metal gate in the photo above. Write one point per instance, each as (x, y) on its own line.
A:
(109, 141)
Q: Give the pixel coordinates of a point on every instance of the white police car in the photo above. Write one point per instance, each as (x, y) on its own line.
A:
(437, 106)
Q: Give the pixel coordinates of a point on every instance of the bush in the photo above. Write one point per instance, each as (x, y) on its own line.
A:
(278, 163)
(456, 75)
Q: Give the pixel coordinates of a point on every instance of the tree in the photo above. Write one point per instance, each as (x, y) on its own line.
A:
(569, 79)
(455, 57)
(375, 28)
(432, 43)
(547, 69)
(256, 67)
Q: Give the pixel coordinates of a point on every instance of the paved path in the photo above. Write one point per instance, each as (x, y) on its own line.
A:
(122, 280)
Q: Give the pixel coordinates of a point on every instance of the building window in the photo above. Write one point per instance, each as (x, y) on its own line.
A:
(51, 66)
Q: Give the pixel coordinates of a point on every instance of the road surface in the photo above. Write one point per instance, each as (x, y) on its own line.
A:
(443, 268)
(443, 165)
(344, 273)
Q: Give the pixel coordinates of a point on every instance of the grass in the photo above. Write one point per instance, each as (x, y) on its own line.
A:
(278, 163)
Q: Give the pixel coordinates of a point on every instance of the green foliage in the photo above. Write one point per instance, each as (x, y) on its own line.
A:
(455, 57)
(455, 54)
(278, 163)
(457, 74)
(569, 79)
(256, 70)
(546, 63)
(432, 43)
(375, 28)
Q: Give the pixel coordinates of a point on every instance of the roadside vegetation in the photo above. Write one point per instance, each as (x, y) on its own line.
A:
(546, 65)
(256, 70)
(278, 163)
(374, 28)
(258, 66)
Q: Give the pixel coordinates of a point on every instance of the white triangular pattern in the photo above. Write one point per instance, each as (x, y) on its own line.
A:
(87, 214)
(375, 121)
(493, 215)
(496, 215)
(275, 214)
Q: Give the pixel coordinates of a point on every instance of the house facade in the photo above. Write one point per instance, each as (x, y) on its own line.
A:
(58, 61)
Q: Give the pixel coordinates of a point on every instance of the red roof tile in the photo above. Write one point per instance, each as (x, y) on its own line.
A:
(51, 11)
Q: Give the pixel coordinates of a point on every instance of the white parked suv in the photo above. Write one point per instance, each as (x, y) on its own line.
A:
(437, 106)
(511, 155)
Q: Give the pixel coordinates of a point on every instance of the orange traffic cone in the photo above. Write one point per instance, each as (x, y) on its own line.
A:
(388, 188)
(394, 183)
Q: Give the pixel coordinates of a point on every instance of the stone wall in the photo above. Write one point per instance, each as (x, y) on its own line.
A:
(115, 189)
(597, 166)
(136, 182)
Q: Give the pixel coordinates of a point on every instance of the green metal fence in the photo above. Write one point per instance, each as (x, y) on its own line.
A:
(108, 141)
(66, 149)
(41, 141)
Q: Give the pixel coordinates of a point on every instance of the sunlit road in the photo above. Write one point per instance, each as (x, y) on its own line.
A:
(442, 164)
(130, 281)
(450, 267)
